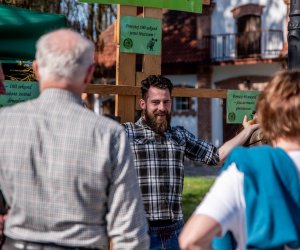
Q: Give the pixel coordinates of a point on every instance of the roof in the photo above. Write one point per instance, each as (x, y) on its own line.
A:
(106, 54)
(179, 43)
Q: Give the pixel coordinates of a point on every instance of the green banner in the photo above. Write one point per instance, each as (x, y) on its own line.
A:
(184, 5)
(140, 35)
(18, 92)
(240, 103)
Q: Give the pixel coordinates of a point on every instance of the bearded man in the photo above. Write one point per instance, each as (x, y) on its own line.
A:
(159, 152)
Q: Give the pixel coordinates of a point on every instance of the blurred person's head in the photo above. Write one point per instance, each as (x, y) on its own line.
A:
(64, 59)
(2, 87)
(156, 102)
(278, 107)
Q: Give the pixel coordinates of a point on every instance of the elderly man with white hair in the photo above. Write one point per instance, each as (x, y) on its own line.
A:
(66, 173)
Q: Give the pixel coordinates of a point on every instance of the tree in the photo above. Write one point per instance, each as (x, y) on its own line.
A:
(89, 19)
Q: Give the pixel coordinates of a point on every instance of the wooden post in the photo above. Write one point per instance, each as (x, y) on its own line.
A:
(126, 65)
(125, 70)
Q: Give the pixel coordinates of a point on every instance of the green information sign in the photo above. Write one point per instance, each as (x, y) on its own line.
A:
(240, 103)
(18, 92)
(184, 5)
(140, 35)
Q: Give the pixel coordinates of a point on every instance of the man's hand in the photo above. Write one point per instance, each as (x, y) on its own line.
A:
(239, 139)
(247, 124)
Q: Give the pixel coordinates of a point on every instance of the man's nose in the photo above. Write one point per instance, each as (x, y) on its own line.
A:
(162, 106)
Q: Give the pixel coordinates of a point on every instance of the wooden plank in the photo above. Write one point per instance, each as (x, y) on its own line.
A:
(206, 2)
(125, 71)
(153, 12)
(124, 11)
(135, 91)
(200, 92)
(152, 64)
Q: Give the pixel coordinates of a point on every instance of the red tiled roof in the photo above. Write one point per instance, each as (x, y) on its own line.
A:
(106, 55)
(179, 41)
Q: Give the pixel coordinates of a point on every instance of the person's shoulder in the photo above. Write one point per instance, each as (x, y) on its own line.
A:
(249, 158)
(132, 126)
(177, 129)
(128, 124)
(102, 124)
(182, 132)
(18, 108)
(251, 150)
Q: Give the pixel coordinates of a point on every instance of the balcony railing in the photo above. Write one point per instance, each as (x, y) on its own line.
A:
(255, 44)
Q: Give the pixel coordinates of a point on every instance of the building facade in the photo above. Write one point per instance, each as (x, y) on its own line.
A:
(231, 45)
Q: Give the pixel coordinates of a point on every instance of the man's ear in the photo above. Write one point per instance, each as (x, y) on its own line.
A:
(89, 74)
(36, 70)
(142, 104)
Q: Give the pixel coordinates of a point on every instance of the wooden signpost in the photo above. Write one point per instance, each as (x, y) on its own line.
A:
(127, 88)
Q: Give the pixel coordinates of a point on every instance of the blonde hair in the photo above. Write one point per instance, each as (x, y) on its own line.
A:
(278, 106)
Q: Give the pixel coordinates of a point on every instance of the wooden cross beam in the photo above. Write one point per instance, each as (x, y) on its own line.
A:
(134, 91)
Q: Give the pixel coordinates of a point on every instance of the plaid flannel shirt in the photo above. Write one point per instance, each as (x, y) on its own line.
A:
(159, 162)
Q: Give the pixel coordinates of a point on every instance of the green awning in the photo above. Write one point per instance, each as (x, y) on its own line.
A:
(20, 29)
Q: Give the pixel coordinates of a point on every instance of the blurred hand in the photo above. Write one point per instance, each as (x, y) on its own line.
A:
(247, 124)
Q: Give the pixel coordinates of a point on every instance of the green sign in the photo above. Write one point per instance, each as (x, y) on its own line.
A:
(184, 5)
(140, 35)
(240, 103)
(18, 92)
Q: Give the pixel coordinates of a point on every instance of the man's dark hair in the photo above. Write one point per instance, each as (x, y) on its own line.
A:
(156, 81)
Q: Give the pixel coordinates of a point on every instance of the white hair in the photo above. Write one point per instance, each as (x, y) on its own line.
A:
(64, 54)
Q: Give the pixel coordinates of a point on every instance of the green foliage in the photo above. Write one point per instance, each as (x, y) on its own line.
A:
(194, 191)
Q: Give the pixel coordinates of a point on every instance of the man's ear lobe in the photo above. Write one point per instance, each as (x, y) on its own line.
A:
(89, 74)
(35, 68)
(142, 104)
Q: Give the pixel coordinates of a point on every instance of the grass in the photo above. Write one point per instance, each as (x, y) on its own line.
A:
(194, 191)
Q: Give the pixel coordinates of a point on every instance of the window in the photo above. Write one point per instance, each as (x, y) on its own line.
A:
(182, 104)
(248, 26)
(248, 36)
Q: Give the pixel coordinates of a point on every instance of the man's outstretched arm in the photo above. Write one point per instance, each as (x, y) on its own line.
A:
(238, 140)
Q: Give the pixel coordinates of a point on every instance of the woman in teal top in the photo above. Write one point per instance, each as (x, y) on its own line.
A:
(256, 198)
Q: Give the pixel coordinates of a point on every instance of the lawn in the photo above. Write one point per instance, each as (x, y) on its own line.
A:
(194, 190)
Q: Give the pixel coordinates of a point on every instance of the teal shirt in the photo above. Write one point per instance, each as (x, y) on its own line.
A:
(272, 196)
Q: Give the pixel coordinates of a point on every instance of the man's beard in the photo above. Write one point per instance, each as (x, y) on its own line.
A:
(158, 127)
